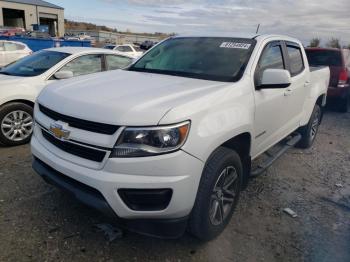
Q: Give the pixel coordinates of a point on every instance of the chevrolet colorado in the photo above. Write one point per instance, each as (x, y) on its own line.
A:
(167, 144)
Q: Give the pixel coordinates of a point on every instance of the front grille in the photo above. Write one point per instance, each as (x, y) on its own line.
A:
(74, 149)
(96, 127)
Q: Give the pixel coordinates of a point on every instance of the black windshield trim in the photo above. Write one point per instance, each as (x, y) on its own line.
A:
(202, 76)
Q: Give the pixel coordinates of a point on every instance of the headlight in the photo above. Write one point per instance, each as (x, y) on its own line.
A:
(150, 141)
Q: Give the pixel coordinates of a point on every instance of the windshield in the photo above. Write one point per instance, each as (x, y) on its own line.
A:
(324, 57)
(210, 58)
(109, 47)
(35, 64)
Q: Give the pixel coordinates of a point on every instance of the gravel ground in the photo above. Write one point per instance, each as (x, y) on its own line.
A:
(40, 223)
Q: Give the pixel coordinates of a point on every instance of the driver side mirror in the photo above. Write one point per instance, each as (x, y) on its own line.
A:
(275, 78)
(64, 74)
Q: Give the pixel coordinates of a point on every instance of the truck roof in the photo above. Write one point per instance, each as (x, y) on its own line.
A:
(245, 35)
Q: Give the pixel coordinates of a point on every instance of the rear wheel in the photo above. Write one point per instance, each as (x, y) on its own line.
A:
(16, 124)
(218, 194)
(309, 132)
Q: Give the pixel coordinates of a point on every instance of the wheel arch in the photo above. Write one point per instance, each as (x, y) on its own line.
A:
(23, 101)
(321, 101)
(242, 145)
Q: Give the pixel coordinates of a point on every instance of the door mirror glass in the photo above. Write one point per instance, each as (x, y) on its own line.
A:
(275, 78)
(64, 75)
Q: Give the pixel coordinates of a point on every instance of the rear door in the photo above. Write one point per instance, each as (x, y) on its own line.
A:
(300, 85)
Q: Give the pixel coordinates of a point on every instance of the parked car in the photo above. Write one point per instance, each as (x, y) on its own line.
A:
(167, 144)
(21, 82)
(339, 63)
(127, 49)
(11, 51)
(146, 45)
(11, 31)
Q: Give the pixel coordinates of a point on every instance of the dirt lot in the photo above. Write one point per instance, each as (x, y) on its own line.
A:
(40, 223)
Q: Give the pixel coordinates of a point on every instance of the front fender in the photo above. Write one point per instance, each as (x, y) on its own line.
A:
(214, 120)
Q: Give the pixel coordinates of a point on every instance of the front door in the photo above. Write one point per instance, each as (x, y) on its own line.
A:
(271, 112)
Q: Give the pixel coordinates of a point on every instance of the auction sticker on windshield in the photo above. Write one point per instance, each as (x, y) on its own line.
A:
(235, 45)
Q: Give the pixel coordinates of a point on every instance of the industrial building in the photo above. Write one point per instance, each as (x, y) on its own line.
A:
(26, 13)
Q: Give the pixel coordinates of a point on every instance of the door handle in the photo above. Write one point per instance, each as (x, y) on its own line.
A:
(288, 92)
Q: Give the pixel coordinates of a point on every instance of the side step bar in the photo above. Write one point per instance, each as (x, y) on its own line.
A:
(290, 142)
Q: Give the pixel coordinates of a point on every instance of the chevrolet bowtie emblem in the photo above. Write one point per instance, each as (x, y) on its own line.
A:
(59, 132)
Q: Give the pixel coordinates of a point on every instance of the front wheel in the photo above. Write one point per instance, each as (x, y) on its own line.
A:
(309, 132)
(16, 124)
(218, 194)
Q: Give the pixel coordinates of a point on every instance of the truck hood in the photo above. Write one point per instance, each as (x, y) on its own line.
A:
(124, 97)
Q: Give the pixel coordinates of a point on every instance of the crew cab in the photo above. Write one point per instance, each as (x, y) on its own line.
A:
(22, 81)
(168, 143)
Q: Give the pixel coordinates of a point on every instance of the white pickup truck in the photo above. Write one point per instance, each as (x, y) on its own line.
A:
(168, 143)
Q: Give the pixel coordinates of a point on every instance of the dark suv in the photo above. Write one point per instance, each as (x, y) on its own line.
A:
(338, 61)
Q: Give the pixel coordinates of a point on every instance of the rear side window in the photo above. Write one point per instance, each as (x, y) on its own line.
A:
(271, 58)
(324, 57)
(117, 62)
(20, 47)
(124, 49)
(9, 46)
(296, 59)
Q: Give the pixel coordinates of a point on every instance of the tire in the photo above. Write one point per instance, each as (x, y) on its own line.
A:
(343, 104)
(16, 124)
(206, 221)
(309, 132)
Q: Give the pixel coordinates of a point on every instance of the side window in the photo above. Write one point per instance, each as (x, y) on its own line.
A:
(120, 48)
(9, 46)
(20, 47)
(124, 49)
(117, 62)
(295, 59)
(271, 58)
(84, 65)
(127, 49)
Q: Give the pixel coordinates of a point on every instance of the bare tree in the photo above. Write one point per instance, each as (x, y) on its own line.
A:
(334, 42)
(315, 42)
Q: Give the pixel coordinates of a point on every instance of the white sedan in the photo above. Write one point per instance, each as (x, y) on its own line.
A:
(22, 81)
(11, 51)
(127, 49)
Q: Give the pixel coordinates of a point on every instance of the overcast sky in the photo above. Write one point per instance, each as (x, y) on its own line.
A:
(303, 19)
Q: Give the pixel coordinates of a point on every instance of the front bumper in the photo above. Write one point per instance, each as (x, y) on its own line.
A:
(178, 171)
(165, 228)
